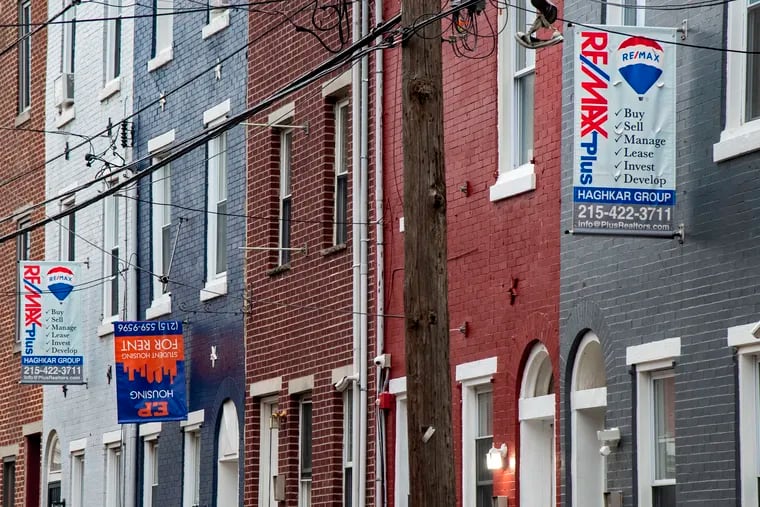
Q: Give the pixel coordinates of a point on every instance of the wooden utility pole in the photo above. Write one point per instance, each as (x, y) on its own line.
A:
(431, 453)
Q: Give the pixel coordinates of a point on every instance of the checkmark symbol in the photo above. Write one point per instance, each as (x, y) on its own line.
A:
(618, 138)
(618, 164)
(618, 111)
(617, 127)
(616, 176)
(621, 149)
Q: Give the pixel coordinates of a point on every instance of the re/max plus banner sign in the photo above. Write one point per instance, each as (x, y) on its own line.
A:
(624, 174)
(50, 321)
(150, 371)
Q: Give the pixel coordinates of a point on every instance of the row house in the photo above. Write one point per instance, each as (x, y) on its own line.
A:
(502, 117)
(189, 76)
(87, 456)
(309, 417)
(657, 336)
(22, 156)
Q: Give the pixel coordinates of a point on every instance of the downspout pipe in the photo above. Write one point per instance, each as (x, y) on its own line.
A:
(364, 261)
(355, 245)
(380, 451)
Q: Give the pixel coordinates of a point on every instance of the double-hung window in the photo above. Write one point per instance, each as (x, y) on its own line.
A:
(111, 257)
(342, 155)
(162, 27)
(113, 474)
(348, 447)
(9, 482)
(191, 483)
(162, 221)
(150, 471)
(25, 56)
(216, 241)
(68, 43)
(304, 453)
(68, 233)
(625, 12)
(655, 420)
(742, 130)
(477, 430)
(112, 42)
(77, 478)
(286, 199)
(516, 82)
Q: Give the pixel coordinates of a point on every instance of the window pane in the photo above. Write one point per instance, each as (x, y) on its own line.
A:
(485, 409)
(630, 13)
(525, 87)
(114, 281)
(9, 483)
(664, 496)
(341, 210)
(285, 231)
(753, 64)
(484, 476)
(71, 251)
(221, 237)
(306, 440)
(664, 428)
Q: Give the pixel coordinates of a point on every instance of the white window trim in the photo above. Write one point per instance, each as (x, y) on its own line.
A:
(283, 255)
(162, 24)
(302, 502)
(216, 24)
(77, 478)
(301, 385)
(265, 387)
(339, 109)
(651, 360)
(191, 429)
(473, 376)
(149, 432)
(748, 356)
(161, 302)
(738, 137)
(113, 477)
(216, 114)
(397, 387)
(511, 180)
(216, 283)
(106, 326)
(616, 13)
(267, 472)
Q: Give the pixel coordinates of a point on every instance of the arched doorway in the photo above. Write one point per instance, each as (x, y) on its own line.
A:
(588, 404)
(53, 471)
(228, 457)
(537, 411)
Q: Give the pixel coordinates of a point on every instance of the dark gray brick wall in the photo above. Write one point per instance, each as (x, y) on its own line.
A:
(636, 290)
(219, 321)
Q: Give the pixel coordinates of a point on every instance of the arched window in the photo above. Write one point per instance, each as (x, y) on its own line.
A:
(228, 457)
(536, 407)
(588, 404)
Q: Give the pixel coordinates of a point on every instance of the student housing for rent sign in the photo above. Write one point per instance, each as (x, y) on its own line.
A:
(624, 174)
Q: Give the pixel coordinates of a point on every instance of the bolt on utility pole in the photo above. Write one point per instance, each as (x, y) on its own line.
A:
(431, 452)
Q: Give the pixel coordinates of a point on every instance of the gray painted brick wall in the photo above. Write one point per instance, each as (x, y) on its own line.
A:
(219, 321)
(636, 290)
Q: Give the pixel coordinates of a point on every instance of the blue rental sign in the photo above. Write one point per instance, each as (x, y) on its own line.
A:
(150, 371)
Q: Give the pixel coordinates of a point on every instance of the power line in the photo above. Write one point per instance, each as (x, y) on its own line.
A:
(193, 142)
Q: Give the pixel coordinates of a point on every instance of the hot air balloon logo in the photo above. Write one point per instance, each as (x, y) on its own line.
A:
(640, 63)
(60, 281)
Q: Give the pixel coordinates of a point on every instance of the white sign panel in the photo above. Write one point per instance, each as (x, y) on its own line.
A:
(624, 174)
(50, 323)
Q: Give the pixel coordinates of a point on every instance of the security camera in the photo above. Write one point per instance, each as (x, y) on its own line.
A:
(756, 330)
(605, 450)
(383, 361)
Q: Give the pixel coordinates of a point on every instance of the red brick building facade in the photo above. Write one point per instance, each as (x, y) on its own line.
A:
(503, 248)
(300, 269)
(22, 182)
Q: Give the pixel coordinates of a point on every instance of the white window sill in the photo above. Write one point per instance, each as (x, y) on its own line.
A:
(214, 288)
(68, 113)
(163, 57)
(217, 24)
(514, 182)
(109, 89)
(159, 307)
(106, 328)
(737, 141)
(23, 117)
